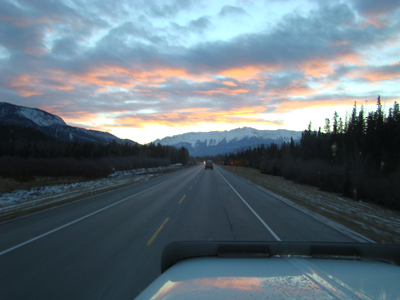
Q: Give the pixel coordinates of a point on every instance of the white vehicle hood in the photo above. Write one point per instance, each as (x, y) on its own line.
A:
(280, 277)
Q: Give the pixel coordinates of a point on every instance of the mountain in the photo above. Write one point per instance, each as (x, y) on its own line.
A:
(220, 142)
(52, 125)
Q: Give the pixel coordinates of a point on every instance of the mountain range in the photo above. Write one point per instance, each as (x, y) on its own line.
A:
(198, 143)
(52, 125)
(220, 142)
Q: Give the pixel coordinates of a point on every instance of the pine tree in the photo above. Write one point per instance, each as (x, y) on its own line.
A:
(335, 129)
(327, 127)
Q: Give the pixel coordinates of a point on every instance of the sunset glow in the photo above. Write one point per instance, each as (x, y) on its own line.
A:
(146, 70)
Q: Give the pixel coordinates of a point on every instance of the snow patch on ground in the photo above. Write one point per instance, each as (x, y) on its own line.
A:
(20, 200)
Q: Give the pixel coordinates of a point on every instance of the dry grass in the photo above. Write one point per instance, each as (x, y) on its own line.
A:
(375, 222)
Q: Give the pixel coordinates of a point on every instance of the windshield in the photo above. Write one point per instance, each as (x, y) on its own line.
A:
(128, 125)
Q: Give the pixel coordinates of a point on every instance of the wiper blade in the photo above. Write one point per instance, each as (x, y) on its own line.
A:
(243, 251)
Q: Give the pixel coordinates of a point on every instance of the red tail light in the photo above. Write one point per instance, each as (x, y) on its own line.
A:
(213, 163)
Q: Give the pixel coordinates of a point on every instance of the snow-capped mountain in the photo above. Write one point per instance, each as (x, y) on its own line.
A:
(219, 142)
(51, 125)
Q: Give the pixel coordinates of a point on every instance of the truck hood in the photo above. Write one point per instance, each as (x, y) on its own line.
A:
(277, 270)
(276, 278)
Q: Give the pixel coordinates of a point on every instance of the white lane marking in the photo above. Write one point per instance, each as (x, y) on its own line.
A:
(332, 224)
(80, 219)
(252, 210)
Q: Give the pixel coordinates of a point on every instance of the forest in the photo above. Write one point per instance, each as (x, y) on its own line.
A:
(357, 156)
(27, 152)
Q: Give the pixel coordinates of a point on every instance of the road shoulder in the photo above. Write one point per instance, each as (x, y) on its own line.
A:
(377, 223)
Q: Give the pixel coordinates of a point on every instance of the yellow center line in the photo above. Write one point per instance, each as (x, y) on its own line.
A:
(190, 187)
(157, 232)
(182, 199)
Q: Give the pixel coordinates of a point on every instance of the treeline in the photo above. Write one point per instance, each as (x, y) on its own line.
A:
(357, 156)
(25, 169)
(26, 152)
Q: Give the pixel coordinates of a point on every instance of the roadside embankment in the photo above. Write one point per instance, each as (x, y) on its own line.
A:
(36, 195)
(378, 223)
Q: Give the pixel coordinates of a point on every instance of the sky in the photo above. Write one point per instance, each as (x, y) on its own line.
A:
(147, 69)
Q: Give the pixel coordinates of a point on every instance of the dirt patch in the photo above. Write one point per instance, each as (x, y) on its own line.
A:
(375, 222)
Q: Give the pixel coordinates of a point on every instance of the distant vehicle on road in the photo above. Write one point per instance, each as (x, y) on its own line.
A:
(209, 164)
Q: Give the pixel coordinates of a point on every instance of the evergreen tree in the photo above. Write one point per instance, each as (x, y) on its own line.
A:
(327, 127)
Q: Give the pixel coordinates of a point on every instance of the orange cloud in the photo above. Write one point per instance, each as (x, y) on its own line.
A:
(194, 109)
(375, 18)
(294, 88)
(321, 67)
(195, 117)
(33, 84)
(230, 83)
(105, 77)
(65, 88)
(224, 91)
(339, 43)
(296, 105)
(317, 67)
(26, 85)
(247, 72)
(124, 77)
(378, 74)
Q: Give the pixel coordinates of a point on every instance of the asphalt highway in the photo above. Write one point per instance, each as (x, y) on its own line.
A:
(108, 246)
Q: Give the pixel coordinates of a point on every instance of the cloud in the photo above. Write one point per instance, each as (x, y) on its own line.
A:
(195, 118)
(193, 28)
(377, 13)
(371, 7)
(200, 24)
(295, 40)
(149, 61)
(65, 47)
(376, 74)
(167, 8)
(229, 10)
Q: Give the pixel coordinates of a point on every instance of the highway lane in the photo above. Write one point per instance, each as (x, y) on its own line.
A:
(109, 245)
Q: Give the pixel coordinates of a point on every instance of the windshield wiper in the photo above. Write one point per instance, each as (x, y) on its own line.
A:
(243, 251)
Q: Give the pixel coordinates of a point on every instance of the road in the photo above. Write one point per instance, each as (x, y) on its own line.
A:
(108, 246)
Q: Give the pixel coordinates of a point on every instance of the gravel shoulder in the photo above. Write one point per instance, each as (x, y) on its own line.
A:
(375, 222)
